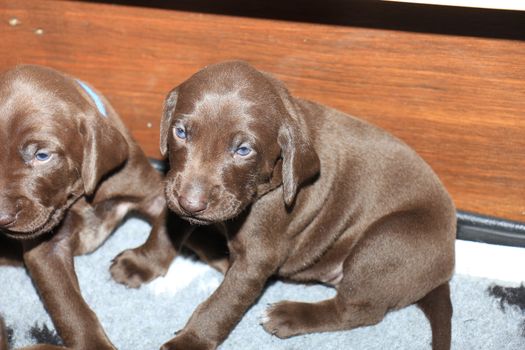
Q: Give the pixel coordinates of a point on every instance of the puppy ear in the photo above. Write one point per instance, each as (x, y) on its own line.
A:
(169, 107)
(300, 161)
(105, 149)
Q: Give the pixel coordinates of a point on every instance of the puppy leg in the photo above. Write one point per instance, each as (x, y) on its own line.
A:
(438, 308)
(136, 266)
(389, 269)
(361, 307)
(287, 318)
(209, 325)
(50, 264)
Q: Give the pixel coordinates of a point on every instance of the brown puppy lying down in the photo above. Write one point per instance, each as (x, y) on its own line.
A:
(69, 173)
(306, 193)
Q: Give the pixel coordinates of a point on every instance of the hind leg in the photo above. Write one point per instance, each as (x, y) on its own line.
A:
(287, 318)
(359, 302)
(392, 267)
(438, 309)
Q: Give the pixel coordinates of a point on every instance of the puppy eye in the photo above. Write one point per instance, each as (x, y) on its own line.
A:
(180, 132)
(42, 156)
(243, 151)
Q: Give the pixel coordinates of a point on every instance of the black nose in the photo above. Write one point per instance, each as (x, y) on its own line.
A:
(193, 204)
(6, 219)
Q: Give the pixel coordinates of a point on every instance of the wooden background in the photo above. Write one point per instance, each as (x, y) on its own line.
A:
(454, 90)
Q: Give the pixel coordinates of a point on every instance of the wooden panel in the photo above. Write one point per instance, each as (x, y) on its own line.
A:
(458, 101)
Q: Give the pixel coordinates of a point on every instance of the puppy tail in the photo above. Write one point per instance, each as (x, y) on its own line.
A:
(3, 335)
(438, 309)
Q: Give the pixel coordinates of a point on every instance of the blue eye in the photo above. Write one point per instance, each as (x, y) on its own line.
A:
(180, 132)
(243, 151)
(42, 156)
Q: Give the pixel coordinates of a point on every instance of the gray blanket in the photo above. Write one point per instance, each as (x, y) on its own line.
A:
(487, 315)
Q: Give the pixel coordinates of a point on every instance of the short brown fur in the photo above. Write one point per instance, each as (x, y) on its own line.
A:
(306, 193)
(68, 203)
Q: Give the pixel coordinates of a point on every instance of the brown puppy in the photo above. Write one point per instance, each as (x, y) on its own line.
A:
(69, 174)
(306, 193)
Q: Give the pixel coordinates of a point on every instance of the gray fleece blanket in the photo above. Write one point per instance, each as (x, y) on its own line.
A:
(488, 313)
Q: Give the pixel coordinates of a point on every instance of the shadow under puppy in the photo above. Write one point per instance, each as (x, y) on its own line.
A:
(69, 173)
(306, 193)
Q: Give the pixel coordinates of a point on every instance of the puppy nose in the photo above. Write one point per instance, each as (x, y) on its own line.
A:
(6, 219)
(193, 204)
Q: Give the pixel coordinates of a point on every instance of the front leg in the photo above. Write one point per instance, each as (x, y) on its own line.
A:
(134, 267)
(50, 264)
(214, 319)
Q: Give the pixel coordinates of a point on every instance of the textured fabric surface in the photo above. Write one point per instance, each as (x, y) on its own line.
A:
(145, 318)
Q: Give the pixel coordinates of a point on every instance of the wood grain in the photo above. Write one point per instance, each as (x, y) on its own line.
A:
(459, 101)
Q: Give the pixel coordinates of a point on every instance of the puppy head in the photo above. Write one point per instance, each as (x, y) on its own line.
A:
(232, 134)
(55, 148)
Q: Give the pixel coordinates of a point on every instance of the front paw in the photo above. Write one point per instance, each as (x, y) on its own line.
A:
(188, 341)
(132, 268)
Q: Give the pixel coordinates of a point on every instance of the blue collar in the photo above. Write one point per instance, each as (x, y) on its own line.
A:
(95, 97)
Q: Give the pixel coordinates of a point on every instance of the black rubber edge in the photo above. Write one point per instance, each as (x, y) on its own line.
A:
(471, 226)
(488, 229)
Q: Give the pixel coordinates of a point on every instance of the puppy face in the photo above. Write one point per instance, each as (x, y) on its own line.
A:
(231, 138)
(45, 131)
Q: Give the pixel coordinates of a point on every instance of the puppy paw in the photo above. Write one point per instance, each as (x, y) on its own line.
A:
(284, 319)
(132, 268)
(188, 341)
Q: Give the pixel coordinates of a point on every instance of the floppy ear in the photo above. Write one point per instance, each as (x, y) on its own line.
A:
(105, 149)
(300, 161)
(169, 106)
